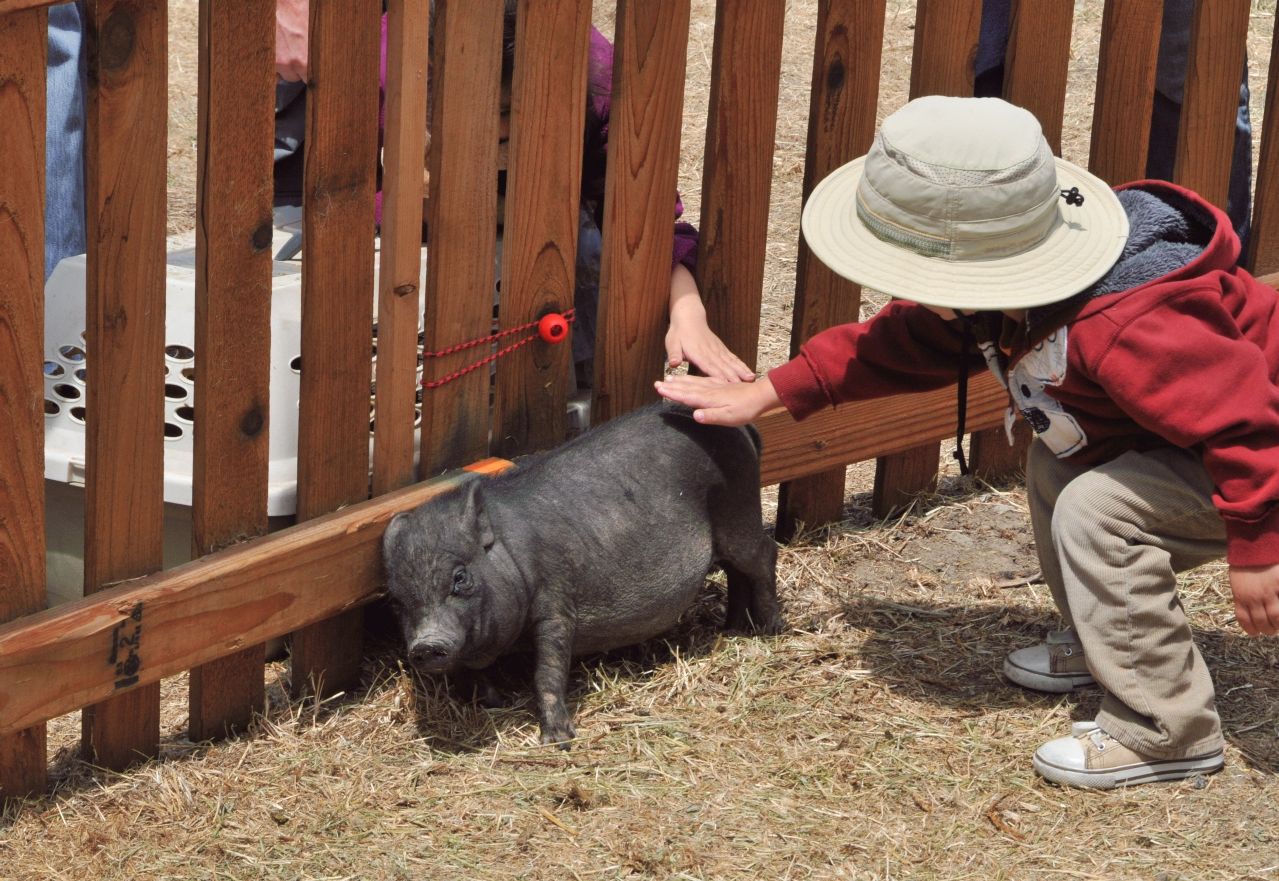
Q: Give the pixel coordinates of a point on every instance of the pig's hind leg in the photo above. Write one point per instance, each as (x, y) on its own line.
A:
(554, 647)
(752, 589)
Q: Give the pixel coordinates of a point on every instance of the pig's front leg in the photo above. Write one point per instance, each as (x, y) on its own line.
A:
(553, 640)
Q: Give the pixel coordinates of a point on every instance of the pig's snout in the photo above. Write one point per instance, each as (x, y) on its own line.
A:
(433, 655)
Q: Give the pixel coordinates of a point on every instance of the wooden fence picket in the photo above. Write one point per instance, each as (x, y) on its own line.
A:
(1037, 62)
(737, 175)
(125, 205)
(398, 311)
(942, 64)
(337, 303)
(23, 42)
(642, 178)
(841, 127)
(1263, 242)
(1125, 89)
(232, 323)
(539, 246)
(462, 228)
(1214, 68)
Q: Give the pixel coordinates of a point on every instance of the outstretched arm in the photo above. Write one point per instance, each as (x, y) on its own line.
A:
(690, 337)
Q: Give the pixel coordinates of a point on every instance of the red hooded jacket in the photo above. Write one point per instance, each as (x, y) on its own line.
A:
(1189, 359)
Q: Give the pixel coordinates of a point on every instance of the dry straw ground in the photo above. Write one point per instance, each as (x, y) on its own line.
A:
(874, 740)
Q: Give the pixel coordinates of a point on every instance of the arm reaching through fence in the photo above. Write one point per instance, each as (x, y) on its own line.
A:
(690, 337)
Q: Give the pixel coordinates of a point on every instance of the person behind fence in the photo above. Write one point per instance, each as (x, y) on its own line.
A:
(1144, 359)
(689, 337)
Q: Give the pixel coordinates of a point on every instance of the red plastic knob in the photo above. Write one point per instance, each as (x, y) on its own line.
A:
(552, 328)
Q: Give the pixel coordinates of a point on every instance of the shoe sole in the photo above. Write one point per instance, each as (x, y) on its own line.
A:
(1054, 683)
(1130, 775)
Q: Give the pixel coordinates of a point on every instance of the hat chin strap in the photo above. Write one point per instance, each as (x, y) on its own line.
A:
(966, 339)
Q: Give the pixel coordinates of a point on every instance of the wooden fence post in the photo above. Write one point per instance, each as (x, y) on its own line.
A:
(1037, 62)
(841, 127)
(737, 175)
(23, 45)
(232, 323)
(337, 303)
(1214, 68)
(462, 233)
(398, 310)
(946, 33)
(639, 196)
(1125, 89)
(125, 204)
(1263, 241)
(1037, 66)
(548, 112)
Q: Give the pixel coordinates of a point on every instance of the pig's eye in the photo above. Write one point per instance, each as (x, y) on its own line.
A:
(459, 580)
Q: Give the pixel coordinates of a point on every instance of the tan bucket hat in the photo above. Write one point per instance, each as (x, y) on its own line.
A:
(961, 204)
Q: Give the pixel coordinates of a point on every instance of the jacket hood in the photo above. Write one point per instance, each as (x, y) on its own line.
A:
(1173, 235)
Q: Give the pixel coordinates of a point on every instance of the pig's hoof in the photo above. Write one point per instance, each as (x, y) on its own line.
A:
(561, 736)
(772, 626)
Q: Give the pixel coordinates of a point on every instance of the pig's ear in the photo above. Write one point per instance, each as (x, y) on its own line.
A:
(476, 514)
(398, 524)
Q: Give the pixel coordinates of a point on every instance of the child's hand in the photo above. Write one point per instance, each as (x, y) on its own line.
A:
(690, 337)
(1256, 590)
(717, 402)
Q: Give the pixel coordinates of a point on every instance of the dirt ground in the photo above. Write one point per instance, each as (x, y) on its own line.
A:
(875, 739)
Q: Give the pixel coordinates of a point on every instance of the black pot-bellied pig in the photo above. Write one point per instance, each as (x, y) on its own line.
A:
(601, 543)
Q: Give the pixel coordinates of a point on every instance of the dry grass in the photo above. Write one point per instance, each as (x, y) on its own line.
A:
(874, 740)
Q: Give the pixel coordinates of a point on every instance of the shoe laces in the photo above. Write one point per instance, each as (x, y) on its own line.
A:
(1099, 739)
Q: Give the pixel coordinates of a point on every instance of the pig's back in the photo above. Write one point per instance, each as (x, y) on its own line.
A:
(617, 526)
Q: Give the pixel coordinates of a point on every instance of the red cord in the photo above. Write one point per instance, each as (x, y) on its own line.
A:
(568, 316)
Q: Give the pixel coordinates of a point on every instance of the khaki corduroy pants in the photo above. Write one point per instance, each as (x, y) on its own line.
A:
(1111, 540)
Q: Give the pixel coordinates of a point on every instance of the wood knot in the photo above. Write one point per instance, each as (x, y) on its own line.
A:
(252, 422)
(819, 444)
(115, 44)
(261, 237)
(405, 289)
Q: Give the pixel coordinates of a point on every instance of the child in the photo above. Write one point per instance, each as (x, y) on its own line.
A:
(1144, 360)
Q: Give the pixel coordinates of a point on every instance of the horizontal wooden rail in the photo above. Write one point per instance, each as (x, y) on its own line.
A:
(134, 634)
(854, 432)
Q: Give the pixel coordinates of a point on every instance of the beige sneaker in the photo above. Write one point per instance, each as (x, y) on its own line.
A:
(1057, 665)
(1092, 759)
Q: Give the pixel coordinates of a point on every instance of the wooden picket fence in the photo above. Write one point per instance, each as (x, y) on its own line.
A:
(107, 653)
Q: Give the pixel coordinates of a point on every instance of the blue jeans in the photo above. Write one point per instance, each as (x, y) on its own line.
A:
(64, 223)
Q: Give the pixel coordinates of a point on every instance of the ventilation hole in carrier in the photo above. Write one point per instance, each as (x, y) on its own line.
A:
(375, 351)
(296, 364)
(84, 339)
(188, 375)
(71, 354)
(417, 417)
(179, 353)
(174, 392)
(76, 414)
(81, 375)
(51, 408)
(371, 424)
(66, 391)
(185, 413)
(172, 432)
(53, 370)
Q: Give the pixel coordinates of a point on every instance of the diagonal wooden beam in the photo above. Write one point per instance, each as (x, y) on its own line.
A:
(59, 660)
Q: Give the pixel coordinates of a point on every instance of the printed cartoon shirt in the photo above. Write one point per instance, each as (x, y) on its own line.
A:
(1190, 359)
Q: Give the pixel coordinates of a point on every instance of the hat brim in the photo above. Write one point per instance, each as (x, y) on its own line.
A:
(1082, 246)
